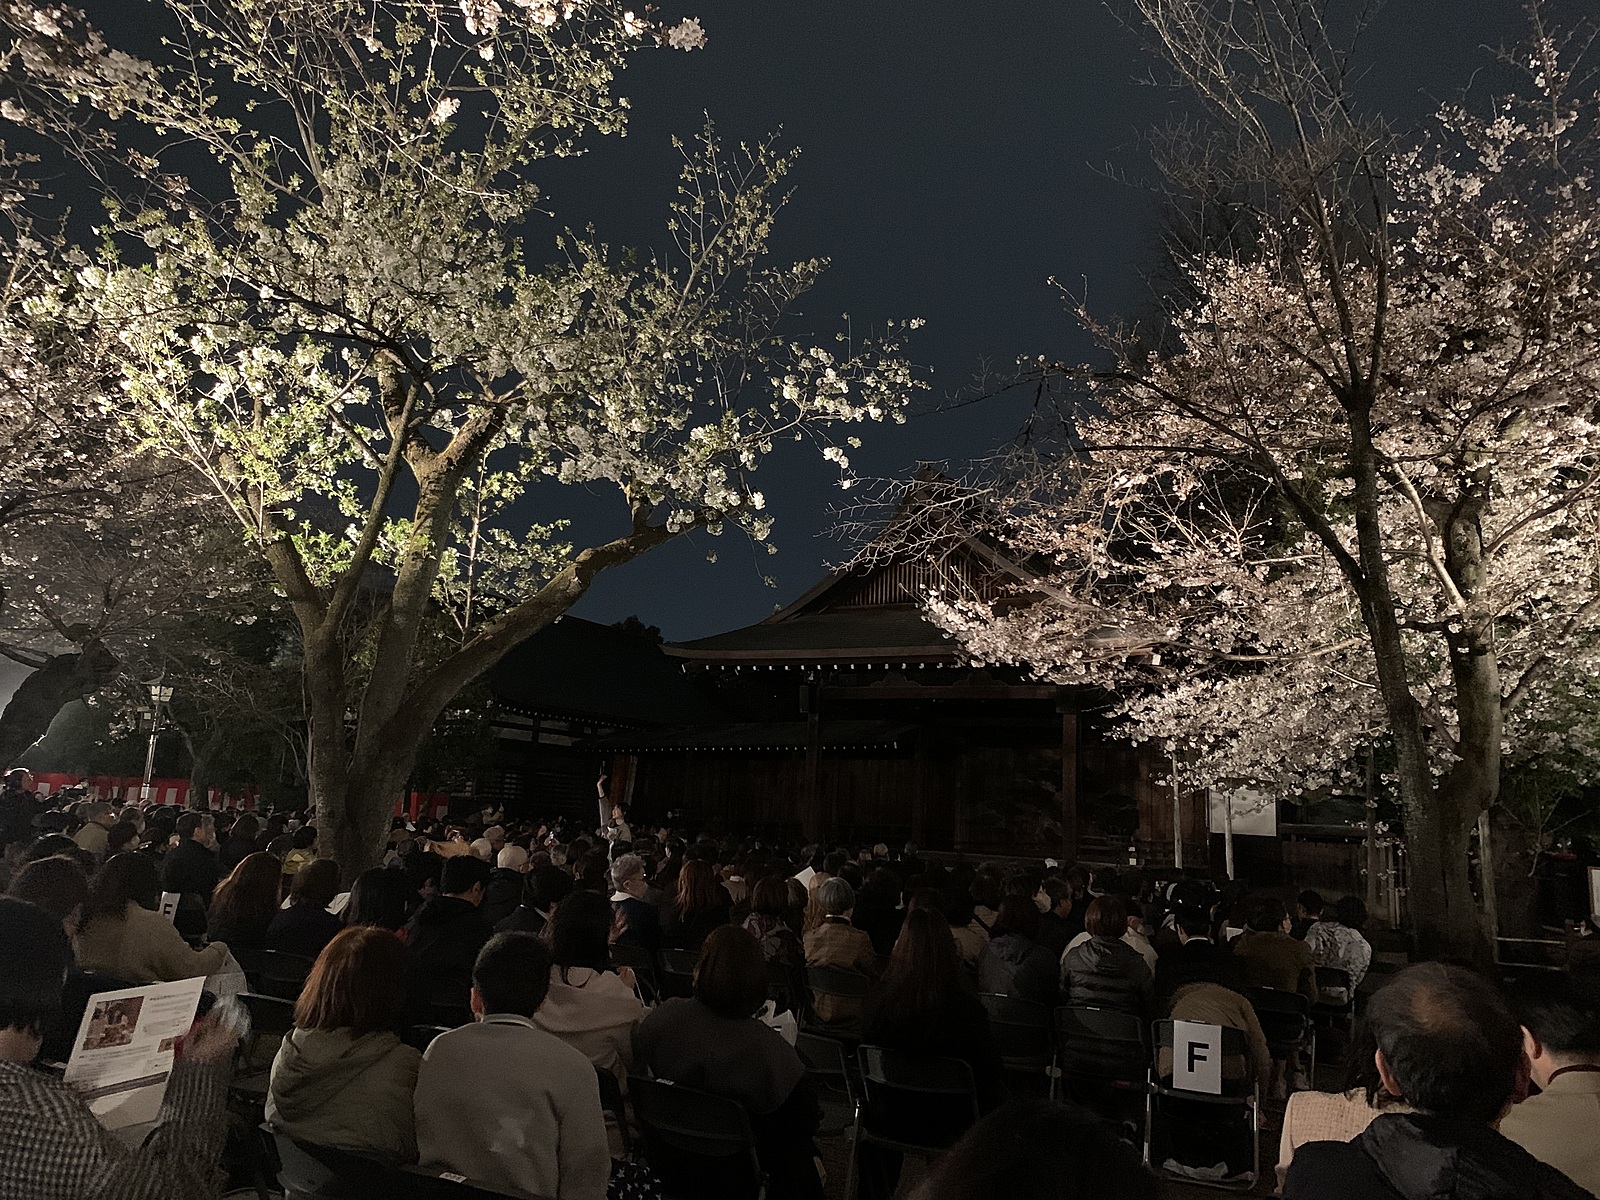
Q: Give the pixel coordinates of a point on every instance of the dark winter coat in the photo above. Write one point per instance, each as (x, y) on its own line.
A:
(504, 894)
(1414, 1156)
(1107, 973)
(1012, 965)
(442, 942)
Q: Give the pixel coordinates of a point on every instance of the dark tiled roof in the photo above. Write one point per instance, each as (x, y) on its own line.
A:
(781, 735)
(576, 668)
(890, 632)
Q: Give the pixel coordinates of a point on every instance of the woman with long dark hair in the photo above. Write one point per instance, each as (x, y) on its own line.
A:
(121, 933)
(702, 904)
(306, 926)
(381, 896)
(590, 1007)
(342, 1077)
(245, 902)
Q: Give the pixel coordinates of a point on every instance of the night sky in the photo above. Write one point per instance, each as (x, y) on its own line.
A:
(955, 157)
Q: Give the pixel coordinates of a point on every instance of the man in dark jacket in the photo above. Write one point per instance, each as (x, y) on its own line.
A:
(1450, 1048)
(443, 940)
(191, 869)
(1195, 959)
(1057, 926)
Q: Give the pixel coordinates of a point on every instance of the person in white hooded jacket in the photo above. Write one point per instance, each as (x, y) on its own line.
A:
(342, 1077)
(591, 1008)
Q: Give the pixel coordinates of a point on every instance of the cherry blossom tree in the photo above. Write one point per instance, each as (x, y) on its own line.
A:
(1349, 493)
(338, 300)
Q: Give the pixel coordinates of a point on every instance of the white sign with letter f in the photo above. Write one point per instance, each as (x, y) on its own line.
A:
(1197, 1057)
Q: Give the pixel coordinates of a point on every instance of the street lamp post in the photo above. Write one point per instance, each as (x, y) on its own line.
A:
(159, 694)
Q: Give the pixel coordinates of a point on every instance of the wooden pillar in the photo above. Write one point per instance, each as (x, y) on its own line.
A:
(919, 787)
(811, 798)
(1069, 786)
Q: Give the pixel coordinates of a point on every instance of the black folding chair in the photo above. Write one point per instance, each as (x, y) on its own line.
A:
(698, 1145)
(827, 1062)
(912, 1104)
(1286, 1021)
(422, 1183)
(1333, 982)
(643, 965)
(1201, 1115)
(786, 988)
(1023, 1035)
(277, 974)
(838, 984)
(677, 972)
(615, 1104)
(304, 1171)
(270, 1017)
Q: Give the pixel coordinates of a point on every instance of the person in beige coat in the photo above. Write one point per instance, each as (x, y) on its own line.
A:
(836, 943)
(120, 933)
(1213, 1004)
(342, 1077)
(1561, 1036)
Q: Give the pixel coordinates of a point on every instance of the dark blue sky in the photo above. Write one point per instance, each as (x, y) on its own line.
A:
(954, 159)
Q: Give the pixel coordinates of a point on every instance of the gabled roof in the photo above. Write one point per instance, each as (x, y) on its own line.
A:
(578, 669)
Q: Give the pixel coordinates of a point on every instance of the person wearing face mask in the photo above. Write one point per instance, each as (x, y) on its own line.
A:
(1057, 927)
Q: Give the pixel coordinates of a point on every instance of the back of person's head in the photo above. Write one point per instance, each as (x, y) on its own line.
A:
(57, 885)
(380, 896)
(545, 886)
(34, 959)
(1449, 1040)
(482, 848)
(463, 873)
(357, 983)
(251, 890)
(1106, 917)
(985, 887)
(627, 868)
(1056, 889)
(511, 975)
(316, 884)
(1193, 919)
(1267, 915)
(731, 976)
(580, 932)
(1562, 1011)
(1039, 1150)
(923, 971)
(97, 810)
(1310, 902)
(190, 822)
(49, 846)
(122, 836)
(123, 878)
(1352, 911)
(698, 887)
(511, 858)
(926, 899)
(1018, 915)
(771, 896)
(246, 828)
(304, 838)
(836, 897)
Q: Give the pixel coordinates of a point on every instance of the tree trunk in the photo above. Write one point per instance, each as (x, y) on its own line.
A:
(202, 760)
(353, 810)
(1516, 855)
(1439, 899)
(63, 679)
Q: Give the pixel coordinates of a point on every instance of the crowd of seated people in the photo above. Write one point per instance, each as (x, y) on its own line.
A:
(507, 937)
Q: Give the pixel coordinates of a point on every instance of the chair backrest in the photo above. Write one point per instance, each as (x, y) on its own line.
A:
(1285, 1016)
(677, 971)
(643, 965)
(786, 986)
(270, 1015)
(420, 1037)
(280, 974)
(1102, 1043)
(822, 1056)
(1236, 1082)
(916, 1099)
(422, 1183)
(697, 1144)
(1021, 1029)
(310, 1172)
(1336, 979)
(836, 981)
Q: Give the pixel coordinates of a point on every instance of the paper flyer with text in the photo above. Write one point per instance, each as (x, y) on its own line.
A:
(124, 1049)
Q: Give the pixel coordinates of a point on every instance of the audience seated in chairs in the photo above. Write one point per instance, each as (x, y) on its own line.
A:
(121, 933)
(1193, 957)
(59, 886)
(511, 865)
(1449, 1046)
(1561, 1037)
(1335, 940)
(1338, 1116)
(925, 1004)
(699, 906)
(1104, 971)
(835, 942)
(1056, 926)
(1039, 1150)
(769, 923)
(641, 925)
(245, 903)
(342, 1077)
(1269, 957)
(443, 939)
(589, 1006)
(502, 1102)
(55, 1148)
(1013, 963)
(383, 897)
(543, 888)
(714, 1043)
(306, 926)
(1213, 1004)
